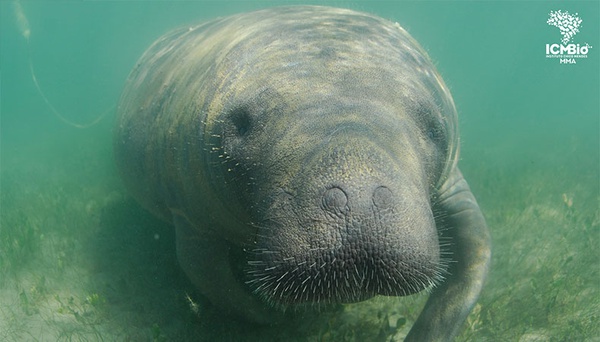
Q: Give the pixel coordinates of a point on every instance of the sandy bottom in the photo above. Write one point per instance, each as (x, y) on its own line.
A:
(82, 262)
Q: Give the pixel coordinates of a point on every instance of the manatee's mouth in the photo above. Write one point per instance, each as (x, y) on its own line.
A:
(349, 228)
(340, 276)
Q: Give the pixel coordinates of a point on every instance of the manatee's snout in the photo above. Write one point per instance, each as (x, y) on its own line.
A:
(346, 231)
(335, 199)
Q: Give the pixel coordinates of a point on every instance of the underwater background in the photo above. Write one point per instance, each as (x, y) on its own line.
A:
(81, 261)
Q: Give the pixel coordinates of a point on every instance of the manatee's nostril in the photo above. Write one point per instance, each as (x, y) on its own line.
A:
(335, 199)
(382, 197)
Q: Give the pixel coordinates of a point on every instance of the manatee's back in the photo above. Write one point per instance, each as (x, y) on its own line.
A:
(176, 94)
(158, 135)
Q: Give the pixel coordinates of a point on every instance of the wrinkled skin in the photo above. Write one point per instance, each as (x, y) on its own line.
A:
(305, 155)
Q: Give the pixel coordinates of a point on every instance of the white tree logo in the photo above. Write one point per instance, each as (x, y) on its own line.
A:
(567, 24)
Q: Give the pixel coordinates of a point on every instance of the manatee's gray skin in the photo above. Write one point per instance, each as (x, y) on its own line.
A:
(305, 155)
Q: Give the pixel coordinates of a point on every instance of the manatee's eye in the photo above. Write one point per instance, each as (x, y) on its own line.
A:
(431, 133)
(435, 132)
(241, 119)
(432, 126)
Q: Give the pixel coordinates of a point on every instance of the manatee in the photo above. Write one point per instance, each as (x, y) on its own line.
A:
(306, 156)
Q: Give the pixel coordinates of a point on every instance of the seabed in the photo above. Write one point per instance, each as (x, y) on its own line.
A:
(81, 261)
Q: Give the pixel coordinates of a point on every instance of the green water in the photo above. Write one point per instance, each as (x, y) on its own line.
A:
(79, 260)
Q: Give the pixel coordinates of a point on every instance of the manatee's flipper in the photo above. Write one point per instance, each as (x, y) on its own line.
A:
(450, 303)
(205, 259)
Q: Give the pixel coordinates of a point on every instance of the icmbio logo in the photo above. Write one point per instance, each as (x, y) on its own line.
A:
(566, 51)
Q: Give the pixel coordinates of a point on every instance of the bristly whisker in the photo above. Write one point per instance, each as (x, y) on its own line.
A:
(282, 281)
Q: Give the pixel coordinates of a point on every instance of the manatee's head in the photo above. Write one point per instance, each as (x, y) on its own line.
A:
(334, 153)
